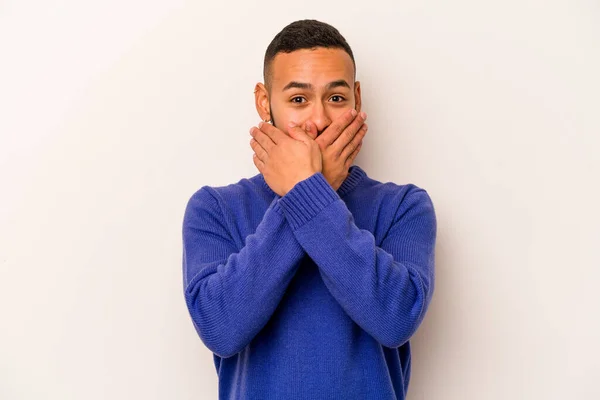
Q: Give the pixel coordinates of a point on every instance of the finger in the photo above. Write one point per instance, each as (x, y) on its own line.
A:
(350, 159)
(311, 129)
(262, 138)
(336, 128)
(258, 163)
(348, 120)
(298, 133)
(258, 150)
(350, 147)
(349, 133)
(275, 134)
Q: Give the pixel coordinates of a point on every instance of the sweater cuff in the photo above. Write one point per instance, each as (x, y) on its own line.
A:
(306, 199)
(275, 205)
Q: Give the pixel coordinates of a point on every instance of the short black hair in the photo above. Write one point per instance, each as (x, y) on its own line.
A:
(304, 34)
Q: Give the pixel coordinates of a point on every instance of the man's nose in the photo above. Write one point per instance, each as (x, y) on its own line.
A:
(320, 118)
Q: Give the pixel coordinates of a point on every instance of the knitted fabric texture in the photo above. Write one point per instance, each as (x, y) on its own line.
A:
(310, 295)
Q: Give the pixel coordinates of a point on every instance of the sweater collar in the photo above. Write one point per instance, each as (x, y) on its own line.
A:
(355, 175)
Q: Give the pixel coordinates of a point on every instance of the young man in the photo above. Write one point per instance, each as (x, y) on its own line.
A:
(307, 280)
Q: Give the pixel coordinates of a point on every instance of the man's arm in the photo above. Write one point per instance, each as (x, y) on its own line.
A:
(386, 290)
(232, 294)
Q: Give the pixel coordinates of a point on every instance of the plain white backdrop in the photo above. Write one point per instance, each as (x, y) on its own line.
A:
(112, 113)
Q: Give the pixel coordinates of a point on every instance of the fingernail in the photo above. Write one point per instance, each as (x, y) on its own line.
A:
(291, 124)
(363, 115)
(260, 124)
(251, 130)
(353, 112)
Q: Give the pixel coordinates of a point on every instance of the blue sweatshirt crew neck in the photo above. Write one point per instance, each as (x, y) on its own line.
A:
(310, 295)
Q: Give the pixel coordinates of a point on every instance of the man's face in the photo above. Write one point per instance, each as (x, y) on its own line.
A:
(315, 85)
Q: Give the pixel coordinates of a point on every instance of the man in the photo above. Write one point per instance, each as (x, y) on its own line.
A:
(307, 280)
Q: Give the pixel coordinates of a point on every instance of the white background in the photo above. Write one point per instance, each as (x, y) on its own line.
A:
(112, 113)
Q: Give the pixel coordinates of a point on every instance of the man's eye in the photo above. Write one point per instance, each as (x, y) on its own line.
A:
(341, 98)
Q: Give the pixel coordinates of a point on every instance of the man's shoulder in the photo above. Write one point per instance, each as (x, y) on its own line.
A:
(245, 190)
(395, 192)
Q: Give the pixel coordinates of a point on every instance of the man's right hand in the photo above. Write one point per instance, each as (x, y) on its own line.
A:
(284, 160)
(340, 144)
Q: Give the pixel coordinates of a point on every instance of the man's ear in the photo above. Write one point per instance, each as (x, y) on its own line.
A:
(261, 101)
(357, 99)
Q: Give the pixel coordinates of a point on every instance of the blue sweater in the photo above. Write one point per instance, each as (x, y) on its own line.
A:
(310, 295)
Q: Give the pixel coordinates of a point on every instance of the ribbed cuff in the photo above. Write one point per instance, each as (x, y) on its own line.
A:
(306, 199)
(275, 205)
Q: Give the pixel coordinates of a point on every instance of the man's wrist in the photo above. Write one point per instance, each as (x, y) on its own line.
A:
(300, 179)
(306, 199)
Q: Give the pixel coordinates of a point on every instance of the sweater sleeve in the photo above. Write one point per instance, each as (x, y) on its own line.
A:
(385, 289)
(231, 294)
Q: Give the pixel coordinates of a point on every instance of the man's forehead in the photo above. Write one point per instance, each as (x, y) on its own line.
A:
(321, 67)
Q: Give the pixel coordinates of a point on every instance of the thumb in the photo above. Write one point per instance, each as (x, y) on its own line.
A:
(311, 129)
(297, 133)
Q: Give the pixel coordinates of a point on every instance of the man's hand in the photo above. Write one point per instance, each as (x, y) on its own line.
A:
(340, 144)
(284, 160)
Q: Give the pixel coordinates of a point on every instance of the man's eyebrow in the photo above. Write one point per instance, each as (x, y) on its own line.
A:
(302, 85)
